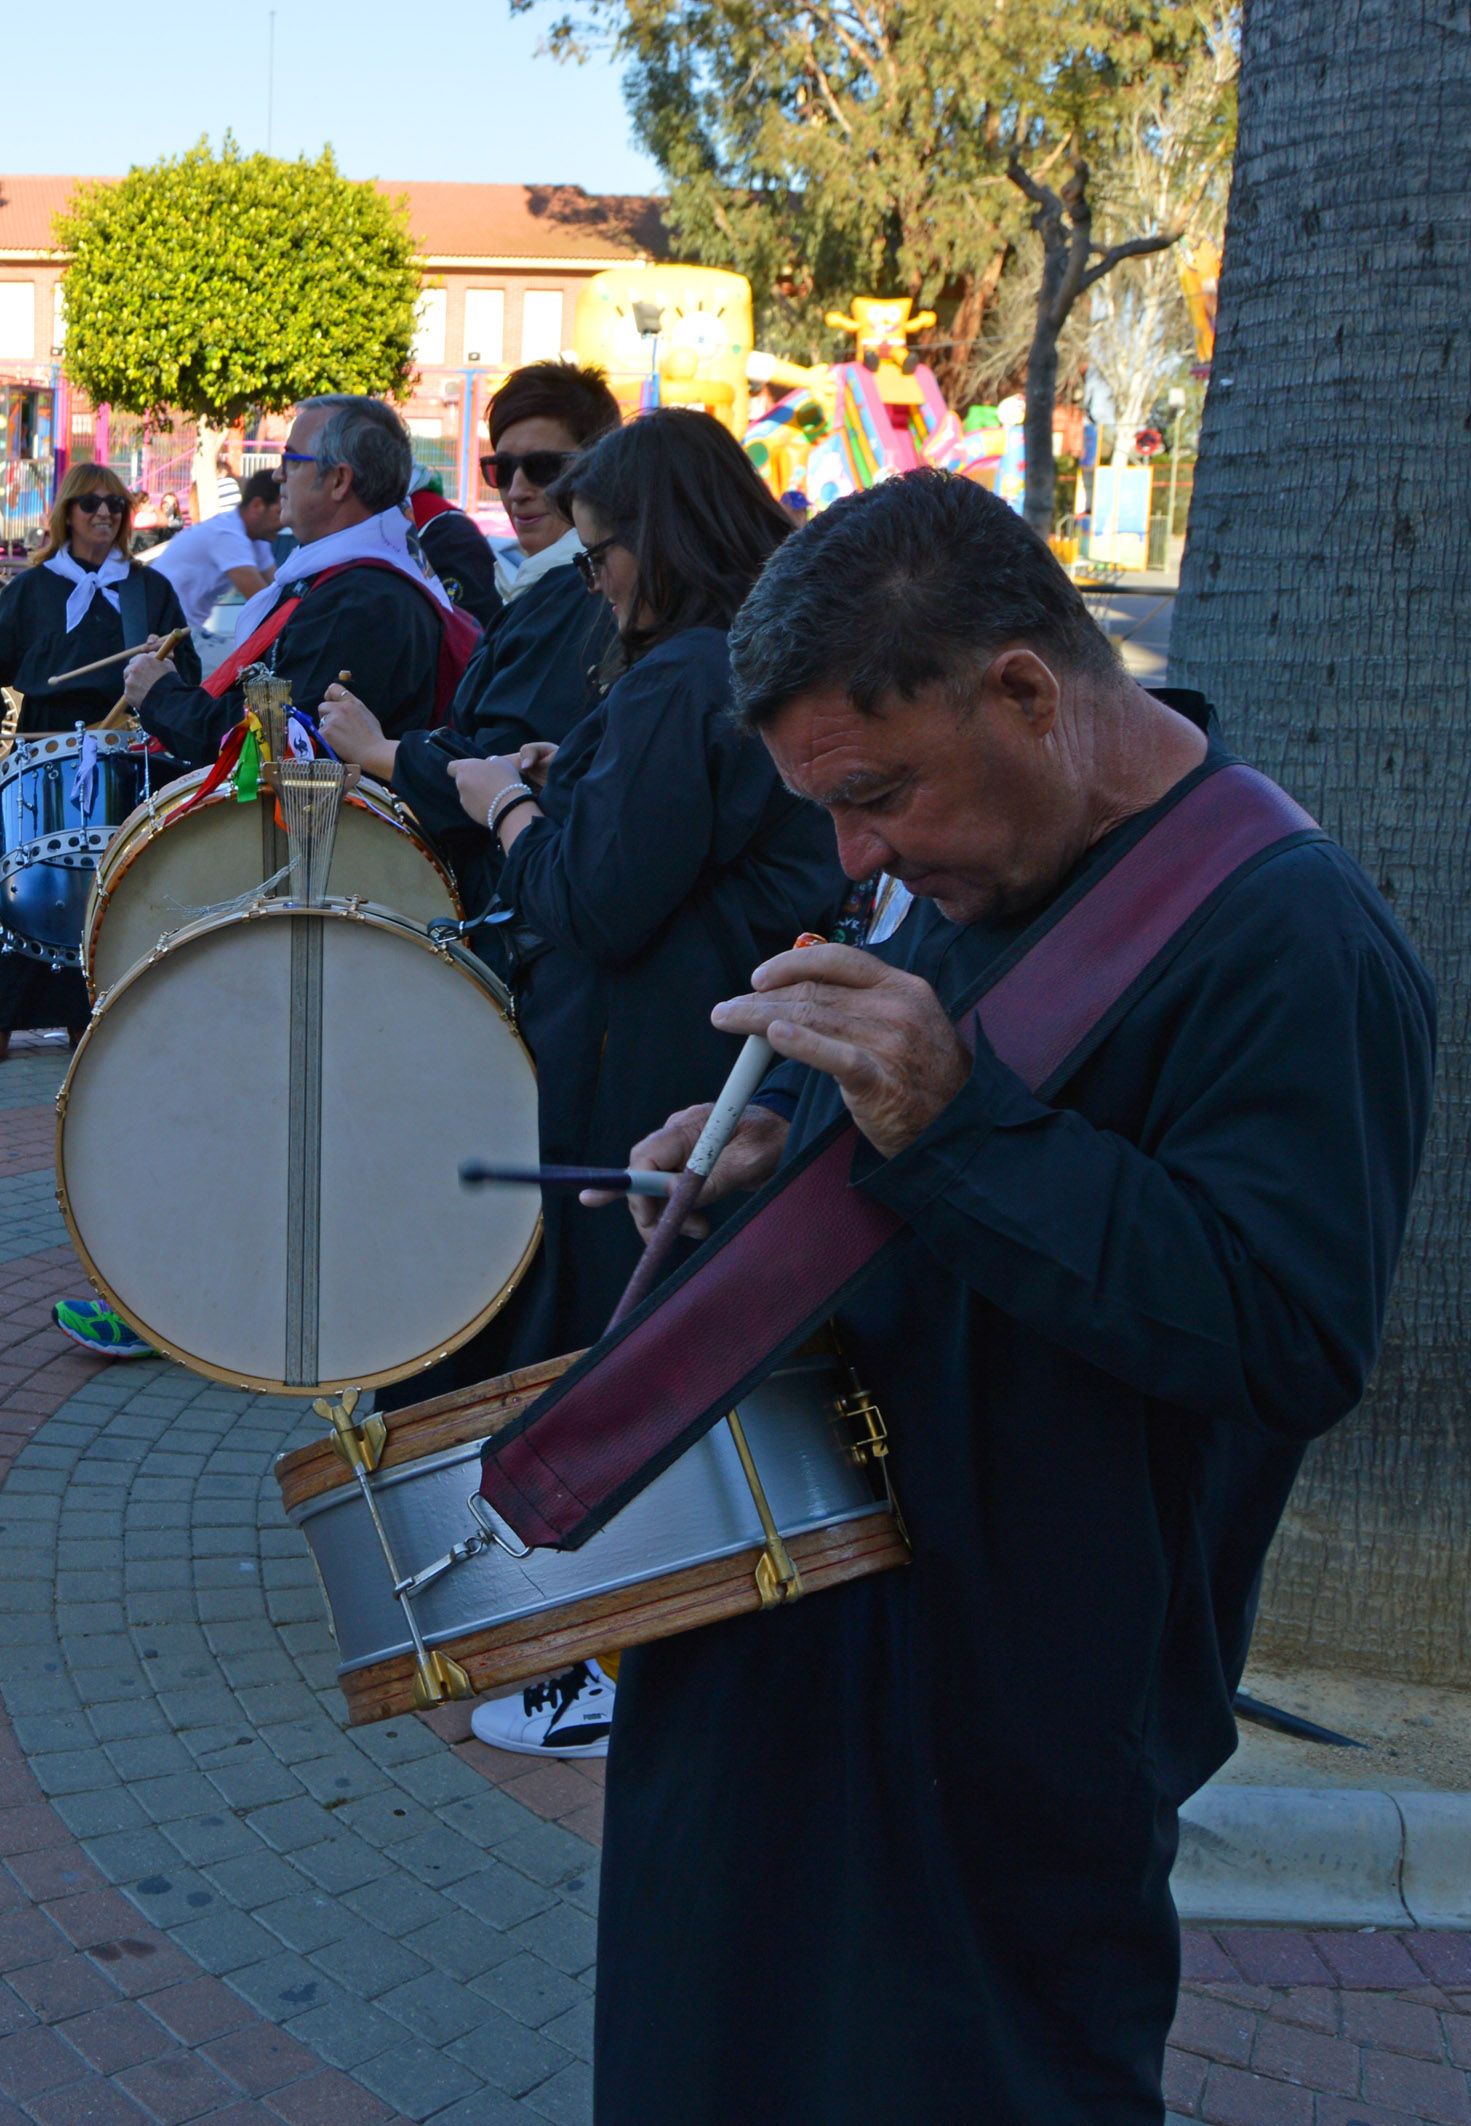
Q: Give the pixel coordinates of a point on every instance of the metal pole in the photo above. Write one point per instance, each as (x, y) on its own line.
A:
(1174, 483)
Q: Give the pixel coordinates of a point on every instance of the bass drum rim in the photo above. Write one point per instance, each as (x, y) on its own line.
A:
(465, 964)
(152, 818)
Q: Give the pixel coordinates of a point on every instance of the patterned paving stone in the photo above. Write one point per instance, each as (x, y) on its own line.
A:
(176, 1932)
(216, 1902)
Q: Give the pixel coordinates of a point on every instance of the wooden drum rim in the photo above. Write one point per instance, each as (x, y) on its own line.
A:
(155, 815)
(435, 1426)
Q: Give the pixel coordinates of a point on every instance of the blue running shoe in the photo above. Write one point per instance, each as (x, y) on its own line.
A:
(94, 1325)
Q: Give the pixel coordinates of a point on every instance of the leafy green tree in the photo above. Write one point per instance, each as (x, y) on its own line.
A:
(214, 284)
(827, 148)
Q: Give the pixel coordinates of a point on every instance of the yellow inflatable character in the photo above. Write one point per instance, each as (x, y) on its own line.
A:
(882, 330)
(670, 336)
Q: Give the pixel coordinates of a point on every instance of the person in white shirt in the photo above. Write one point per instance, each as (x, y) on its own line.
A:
(229, 552)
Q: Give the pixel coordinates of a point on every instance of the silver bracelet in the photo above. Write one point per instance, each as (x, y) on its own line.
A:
(501, 802)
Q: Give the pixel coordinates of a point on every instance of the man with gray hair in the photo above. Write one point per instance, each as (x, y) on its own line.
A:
(356, 594)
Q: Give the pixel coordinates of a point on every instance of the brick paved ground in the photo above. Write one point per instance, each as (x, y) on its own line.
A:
(217, 1903)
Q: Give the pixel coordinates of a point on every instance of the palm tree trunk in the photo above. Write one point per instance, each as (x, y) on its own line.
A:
(1324, 608)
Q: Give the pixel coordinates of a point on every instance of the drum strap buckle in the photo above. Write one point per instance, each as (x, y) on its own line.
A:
(777, 1578)
(491, 1532)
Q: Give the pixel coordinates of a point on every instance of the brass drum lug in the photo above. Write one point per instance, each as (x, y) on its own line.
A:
(360, 1446)
(436, 1678)
(868, 1435)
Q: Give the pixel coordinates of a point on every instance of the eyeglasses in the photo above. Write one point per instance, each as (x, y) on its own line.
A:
(90, 504)
(590, 561)
(298, 457)
(541, 467)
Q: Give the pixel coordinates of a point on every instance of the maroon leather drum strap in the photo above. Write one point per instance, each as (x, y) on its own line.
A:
(614, 1421)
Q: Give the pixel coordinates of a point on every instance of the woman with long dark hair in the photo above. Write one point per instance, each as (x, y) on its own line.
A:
(82, 598)
(650, 863)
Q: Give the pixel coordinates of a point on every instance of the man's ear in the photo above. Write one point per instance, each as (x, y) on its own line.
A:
(1023, 685)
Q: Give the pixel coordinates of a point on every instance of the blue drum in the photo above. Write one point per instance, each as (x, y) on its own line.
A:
(63, 795)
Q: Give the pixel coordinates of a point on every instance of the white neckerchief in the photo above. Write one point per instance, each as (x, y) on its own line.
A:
(87, 582)
(386, 537)
(512, 582)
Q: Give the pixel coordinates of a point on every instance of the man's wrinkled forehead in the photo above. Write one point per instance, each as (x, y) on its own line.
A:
(826, 749)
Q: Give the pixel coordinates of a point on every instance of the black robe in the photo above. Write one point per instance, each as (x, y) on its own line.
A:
(534, 676)
(34, 643)
(901, 1851)
(371, 622)
(669, 863)
(462, 559)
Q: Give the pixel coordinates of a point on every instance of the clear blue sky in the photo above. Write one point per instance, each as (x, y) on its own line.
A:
(425, 91)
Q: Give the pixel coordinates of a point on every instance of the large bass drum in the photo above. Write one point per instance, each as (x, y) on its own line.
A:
(259, 1138)
(166, 866)
(782, 1498)
(63, 795)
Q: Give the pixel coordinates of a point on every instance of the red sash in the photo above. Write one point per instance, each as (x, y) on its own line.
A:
(459, 638)
(777, 1269)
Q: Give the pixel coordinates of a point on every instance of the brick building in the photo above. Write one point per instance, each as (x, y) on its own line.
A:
(502, 266)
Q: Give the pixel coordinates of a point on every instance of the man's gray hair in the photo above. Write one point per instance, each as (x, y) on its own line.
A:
(366, 436)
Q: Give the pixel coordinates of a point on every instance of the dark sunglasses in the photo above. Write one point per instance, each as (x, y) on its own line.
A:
(590, 560)
(90, 504)
(541, 467)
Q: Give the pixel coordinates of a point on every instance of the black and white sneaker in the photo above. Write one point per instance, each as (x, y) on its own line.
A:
(568, 1715)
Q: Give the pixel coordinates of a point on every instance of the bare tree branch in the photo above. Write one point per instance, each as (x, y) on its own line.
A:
(1137, 247)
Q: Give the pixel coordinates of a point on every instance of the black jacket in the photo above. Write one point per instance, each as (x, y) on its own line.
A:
(371, 622)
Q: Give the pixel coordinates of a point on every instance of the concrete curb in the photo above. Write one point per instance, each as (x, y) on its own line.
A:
(1324, 1856)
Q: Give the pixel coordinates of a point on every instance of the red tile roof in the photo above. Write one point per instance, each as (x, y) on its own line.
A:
(560, 223)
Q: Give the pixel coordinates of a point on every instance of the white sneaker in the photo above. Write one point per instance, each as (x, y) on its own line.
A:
(568, 1715)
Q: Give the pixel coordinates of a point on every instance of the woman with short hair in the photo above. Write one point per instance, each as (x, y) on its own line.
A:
(82, 598)
(530, 679)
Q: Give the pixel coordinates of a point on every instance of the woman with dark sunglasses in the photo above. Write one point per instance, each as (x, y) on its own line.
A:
(74, 604)
(530, 680)
(82, 598)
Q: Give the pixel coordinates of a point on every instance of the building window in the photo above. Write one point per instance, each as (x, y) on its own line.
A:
(485, 326)
(18, 320)
(541, 324)
(58, 316)
(429, 328)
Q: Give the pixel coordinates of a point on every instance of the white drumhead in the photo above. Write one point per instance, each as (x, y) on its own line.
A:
(166, 870)
(260, 1140)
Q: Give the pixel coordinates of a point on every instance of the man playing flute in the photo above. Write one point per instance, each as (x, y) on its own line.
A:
(901, 1851)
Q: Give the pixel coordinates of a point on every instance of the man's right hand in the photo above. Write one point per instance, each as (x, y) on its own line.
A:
(354, 732)
(749, 1159)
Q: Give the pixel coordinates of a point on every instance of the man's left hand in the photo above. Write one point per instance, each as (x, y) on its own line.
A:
(883, 1034)
(480, 782)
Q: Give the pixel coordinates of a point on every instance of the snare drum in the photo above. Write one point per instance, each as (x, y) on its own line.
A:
(783, 1498)
(167, 866)
(259, 1141)
(53, 833)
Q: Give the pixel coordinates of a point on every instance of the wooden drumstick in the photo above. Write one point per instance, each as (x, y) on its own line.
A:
(119, 716)
(752, 1064)
(165, 648)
